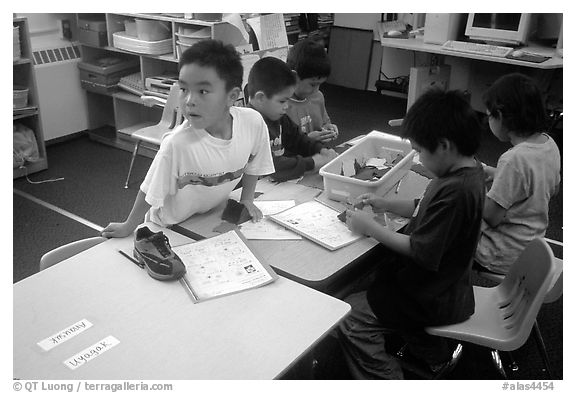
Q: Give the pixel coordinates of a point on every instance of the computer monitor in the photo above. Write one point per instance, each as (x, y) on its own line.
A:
(499, 28)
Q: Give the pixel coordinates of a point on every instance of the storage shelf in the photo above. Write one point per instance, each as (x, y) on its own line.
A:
(170, 19)
(22, 60)
(122, 95)
(24, 74)
(31, 112)
(31, 167)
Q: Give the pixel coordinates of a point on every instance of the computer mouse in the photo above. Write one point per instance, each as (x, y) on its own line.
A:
(518, 53)
(394, 33)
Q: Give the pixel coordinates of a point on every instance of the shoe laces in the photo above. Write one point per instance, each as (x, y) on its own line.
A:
(162, 245)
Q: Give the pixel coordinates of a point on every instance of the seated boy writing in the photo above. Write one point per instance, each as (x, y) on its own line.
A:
(306, 106)
(425, 280)
(270, 85)
(203, 160)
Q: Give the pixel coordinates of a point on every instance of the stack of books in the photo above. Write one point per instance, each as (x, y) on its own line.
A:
(124, 41)
(292, 22)
(325, 21)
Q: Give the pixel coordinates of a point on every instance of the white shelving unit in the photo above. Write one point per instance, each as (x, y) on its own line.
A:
(121, 110)
(23, 75)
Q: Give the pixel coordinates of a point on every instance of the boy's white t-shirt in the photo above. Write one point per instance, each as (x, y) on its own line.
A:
(527, 175)
(193, 172)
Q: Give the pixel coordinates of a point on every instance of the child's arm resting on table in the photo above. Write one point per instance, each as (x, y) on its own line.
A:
(364, 223)
(136, 216)
(247, 197)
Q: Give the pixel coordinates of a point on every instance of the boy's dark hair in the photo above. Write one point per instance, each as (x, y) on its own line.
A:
(270, 75)
(223, 58)
(309, 59)
(439, 114)
(518, 100)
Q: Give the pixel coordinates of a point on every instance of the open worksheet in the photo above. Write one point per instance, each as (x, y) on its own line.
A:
(318, 223)
(266, 229)
(222, 265)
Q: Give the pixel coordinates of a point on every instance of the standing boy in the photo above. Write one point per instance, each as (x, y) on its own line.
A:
(270, 85)
(307, 107)
(426, 279)
(203, 160)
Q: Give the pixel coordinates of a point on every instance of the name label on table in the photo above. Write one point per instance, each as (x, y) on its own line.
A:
(65, 334)
(84, 356)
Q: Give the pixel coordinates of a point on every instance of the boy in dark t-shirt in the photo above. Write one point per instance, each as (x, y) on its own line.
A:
(270, 84)
(426, 279)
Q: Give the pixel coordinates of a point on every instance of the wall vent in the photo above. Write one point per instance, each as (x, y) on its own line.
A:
(47, 56)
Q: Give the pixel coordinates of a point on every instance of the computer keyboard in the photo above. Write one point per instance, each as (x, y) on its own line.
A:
(392, 25)
(476, 48)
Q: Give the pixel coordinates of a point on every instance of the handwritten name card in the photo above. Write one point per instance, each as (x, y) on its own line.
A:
(65, 334)
(92, 352)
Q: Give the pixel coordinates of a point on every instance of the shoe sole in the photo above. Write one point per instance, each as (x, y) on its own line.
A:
(151, 273)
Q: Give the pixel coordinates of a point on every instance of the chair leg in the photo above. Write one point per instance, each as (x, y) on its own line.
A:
(498, 363)
(542, 348)
(513, 365)
(134, 154)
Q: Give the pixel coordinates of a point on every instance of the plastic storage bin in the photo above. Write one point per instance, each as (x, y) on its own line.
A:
(20, 97)
(374, 145)
(152, 30)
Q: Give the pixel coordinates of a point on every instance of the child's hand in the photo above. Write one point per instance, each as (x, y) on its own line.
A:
(330, 153)
(489, 172)
(322, 135)
(331, 127)
(324, 157)
(360, 222)
(378, 203)
(117, 229)
(254, 212)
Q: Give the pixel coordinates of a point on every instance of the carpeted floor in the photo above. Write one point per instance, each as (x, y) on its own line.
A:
(92, 188)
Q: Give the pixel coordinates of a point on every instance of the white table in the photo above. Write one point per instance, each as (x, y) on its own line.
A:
(256, 334)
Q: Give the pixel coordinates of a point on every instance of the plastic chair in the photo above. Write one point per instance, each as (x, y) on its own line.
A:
(554, 292)
(68, 250)
(505, 314)
(171, 117)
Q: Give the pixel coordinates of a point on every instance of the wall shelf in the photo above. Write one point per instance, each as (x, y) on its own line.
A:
(23, 75)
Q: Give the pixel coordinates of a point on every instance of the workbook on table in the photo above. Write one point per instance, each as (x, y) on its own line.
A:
(222, 265)
(318, 223)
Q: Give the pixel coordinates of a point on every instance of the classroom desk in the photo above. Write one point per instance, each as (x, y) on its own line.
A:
(255, 334)
(303, 260)
(473, 72)
(418, 45)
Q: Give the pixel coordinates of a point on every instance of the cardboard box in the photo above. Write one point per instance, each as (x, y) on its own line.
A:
(374, 145)
(92, 31)
(102, 75)
(94, 38)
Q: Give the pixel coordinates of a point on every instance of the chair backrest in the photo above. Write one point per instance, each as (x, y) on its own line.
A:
(68, 250)
(524, 288)
(556, 288)
(171, 115)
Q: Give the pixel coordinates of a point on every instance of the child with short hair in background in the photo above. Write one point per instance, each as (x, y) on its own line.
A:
(271, 83)
(307, 107)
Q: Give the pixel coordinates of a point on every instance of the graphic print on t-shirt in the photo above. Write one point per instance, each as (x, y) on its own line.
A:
(211, 180)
